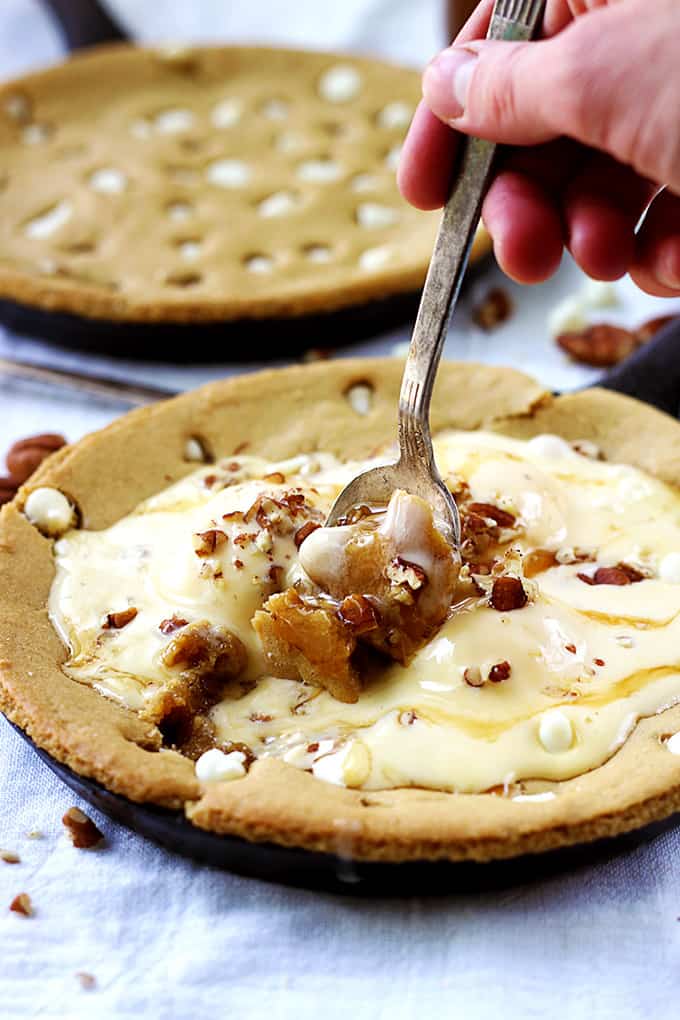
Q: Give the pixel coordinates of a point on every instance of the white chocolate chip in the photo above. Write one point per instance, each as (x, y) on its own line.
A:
(374, 258)
(318, 253)
(279, 204)
(350, 766)
(189, 250)
(393, 156)
(108, 180)
(395, 115)
(320, 170)
(669, 568)
(568, 316)
(48, 222)
(214, 766)
(170, 122)
(275, 109)
(364, 182)
(372, 215)
(33, 134)
(226, 113)
(179, 211)
(673, 744)
(228, 173)
(555, 731)
(550, 447)
(360, 397)
(49, 510)
(259, 264)
(340, 84)
(17, 106)
(194, 451)
(533, 798)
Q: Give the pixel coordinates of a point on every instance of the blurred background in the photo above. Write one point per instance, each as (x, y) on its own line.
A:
(496, 321)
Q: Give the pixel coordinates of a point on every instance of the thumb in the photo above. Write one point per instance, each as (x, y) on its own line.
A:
(495, 90)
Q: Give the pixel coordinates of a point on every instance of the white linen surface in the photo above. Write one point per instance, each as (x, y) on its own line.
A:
(164, 937)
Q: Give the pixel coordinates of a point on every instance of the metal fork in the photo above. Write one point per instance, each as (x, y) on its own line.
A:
(416, 470)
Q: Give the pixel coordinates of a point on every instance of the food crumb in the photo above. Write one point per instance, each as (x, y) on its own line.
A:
(86, 980)
(9, 857)
(81, 830)
(21, 904)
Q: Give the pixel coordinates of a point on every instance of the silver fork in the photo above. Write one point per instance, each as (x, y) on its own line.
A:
(416, 470)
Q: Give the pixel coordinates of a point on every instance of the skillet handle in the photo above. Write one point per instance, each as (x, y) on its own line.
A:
(651, 374)
(84, 23)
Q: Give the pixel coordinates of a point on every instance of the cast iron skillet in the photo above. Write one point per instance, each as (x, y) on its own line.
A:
(653, 375)
(84, 23)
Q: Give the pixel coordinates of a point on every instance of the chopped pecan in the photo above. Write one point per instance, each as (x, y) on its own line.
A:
(501, 517)
(621, 574)
(86, 980)
(81, 830)
(507, 594)
(602, 345)
(9, 857)
(21, 904)
(207, 542)
(304, 532)
(501, 671)
(402, 572)
(495, 308)
(115, 621)
(276, 478)
(172, 624)
(537, 561)
(356, 514)
(359, 613)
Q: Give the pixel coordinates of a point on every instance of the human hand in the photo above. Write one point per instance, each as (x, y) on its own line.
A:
(595, 106)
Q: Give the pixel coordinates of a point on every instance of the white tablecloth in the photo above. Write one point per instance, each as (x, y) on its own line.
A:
(167, 938)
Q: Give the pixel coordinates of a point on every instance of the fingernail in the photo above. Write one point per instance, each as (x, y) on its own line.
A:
(446, 82)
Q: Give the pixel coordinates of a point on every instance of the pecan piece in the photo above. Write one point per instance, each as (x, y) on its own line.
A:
(502, 518)
(507, 594)
(495, 308)
(21, 904)
(621, 574)
(9, 857)
(501, 671)
(472, 675)
(357, 611)
(602, 345)
(81, 830)
(26, 455)
(8, 489)
(172, 624)
(114, 621)
(207, 542)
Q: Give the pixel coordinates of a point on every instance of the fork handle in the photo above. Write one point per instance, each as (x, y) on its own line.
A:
(448, 264)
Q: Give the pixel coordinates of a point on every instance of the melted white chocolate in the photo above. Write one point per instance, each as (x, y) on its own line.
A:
(587, 660)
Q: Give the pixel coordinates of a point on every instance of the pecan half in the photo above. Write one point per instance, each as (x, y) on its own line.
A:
(81, 830)
(601, 345)
(507, 594)
(26, 455)
(621, 574)
(114, 621)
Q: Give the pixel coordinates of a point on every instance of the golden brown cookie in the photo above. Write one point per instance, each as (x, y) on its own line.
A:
(279, 414)
(206, 185)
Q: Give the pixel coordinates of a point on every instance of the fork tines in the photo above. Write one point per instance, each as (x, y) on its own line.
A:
(523, 12)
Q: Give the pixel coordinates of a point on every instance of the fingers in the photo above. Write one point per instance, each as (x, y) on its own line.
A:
(602, 206)
(656, 266)
(427, 160)
(525, 226)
